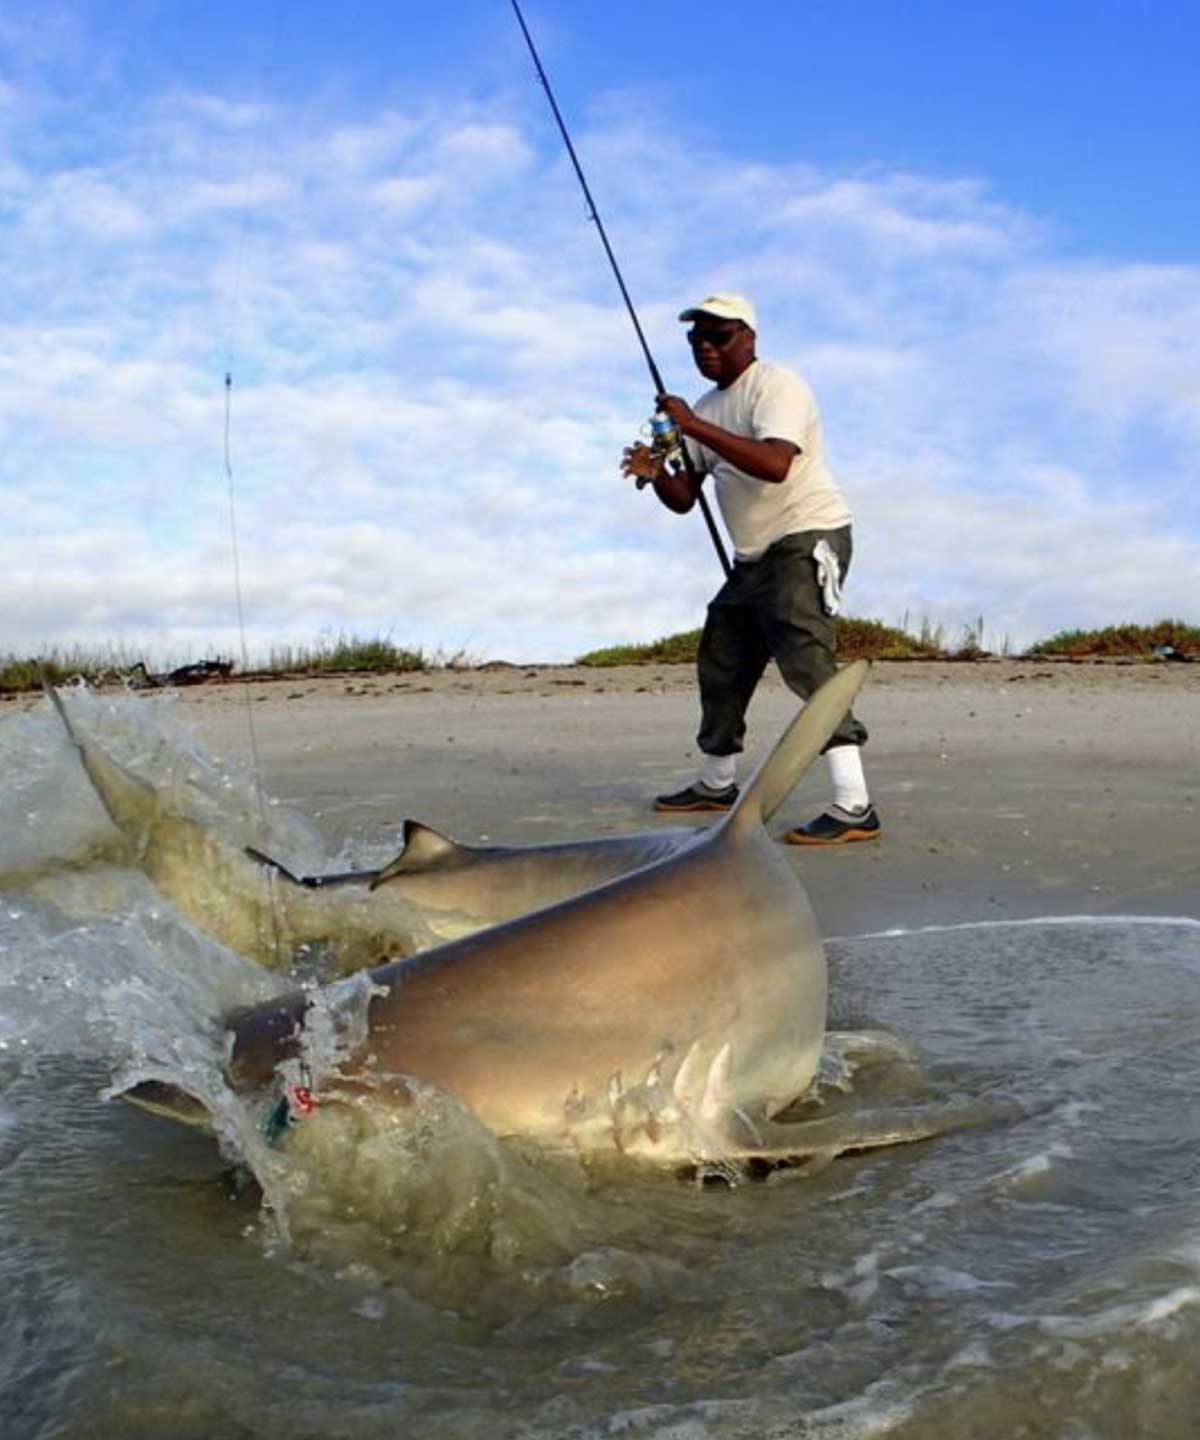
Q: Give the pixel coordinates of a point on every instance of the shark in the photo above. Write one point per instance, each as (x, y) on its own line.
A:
(671, 1012)
(434, 888)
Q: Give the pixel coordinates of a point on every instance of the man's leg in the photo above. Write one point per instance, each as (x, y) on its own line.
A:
(803, 641)
(730, 661)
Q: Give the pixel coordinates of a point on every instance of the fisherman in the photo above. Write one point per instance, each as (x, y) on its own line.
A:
(757, 432)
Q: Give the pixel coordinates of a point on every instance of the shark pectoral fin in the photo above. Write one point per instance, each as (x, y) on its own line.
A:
(815, 1143)
(424, 849)
(169, 1101)
(280, 869)
(312, 882)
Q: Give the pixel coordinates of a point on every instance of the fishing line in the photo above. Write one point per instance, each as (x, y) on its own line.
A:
(256, 763)
(594, 214)
(233, 318)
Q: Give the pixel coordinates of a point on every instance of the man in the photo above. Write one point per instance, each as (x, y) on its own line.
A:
(757, 432)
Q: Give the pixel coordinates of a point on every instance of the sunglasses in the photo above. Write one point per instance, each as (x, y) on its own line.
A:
(718, 339)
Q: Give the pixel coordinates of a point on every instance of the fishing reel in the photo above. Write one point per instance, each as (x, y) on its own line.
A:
(660, 435)
(664, 440)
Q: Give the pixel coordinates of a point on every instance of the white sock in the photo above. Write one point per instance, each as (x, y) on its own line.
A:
(718, 771)
(849, 782)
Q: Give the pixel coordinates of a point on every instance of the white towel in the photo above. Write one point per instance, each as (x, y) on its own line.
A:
(829, 577)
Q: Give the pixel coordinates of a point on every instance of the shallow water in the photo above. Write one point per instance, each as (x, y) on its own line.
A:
(1036, 1276)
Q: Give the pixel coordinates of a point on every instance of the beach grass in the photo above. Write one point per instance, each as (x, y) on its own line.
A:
(1124, 640)
(58, 667)
(330, 655)
(867, 639)
(875, 640)
(344, 654)
(669, 650)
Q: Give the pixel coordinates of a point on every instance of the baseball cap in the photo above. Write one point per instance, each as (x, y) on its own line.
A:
(723, 307)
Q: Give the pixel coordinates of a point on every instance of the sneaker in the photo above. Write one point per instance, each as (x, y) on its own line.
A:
(837, 827)
(697, 797)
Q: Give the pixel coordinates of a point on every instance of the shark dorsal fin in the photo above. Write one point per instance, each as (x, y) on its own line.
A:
(799, 746)
(424, 849)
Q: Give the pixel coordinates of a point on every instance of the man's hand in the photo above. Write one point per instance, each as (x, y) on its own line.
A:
(676, 409)
(642, 464)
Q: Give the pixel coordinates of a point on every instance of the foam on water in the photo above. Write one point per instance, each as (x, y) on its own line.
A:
(1125, 922)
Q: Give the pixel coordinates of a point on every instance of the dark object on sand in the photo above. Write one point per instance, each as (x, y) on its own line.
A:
(199, 673)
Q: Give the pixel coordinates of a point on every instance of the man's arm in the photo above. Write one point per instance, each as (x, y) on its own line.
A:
(768, 460)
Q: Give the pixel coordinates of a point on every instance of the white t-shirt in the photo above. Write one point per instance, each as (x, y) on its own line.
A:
(767, 402)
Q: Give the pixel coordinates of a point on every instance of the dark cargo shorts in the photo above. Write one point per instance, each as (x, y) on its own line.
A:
(769, 609)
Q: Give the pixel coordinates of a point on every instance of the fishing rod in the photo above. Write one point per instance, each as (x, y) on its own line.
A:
(594, 214)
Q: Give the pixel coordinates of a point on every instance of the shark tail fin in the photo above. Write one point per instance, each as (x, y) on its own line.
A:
(799, 745)
(424, 849)
(56, 700)
(126, 797)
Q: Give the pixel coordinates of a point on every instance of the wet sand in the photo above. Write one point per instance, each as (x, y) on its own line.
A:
(1008, 789)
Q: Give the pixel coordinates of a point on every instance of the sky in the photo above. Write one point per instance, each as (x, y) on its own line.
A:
(973, 229)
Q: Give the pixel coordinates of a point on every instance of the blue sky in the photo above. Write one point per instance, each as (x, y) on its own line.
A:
(973, 229)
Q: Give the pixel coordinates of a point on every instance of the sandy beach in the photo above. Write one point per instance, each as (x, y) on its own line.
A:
(1009, 789)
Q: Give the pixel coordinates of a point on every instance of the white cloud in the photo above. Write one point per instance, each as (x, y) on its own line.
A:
(87, 205)
(1123, 341)
(215, 109)
(406, 194)
(356, 150)
(501, 148)
(1035, 553)
(909, 215)
(252, 192)
(434, 378)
